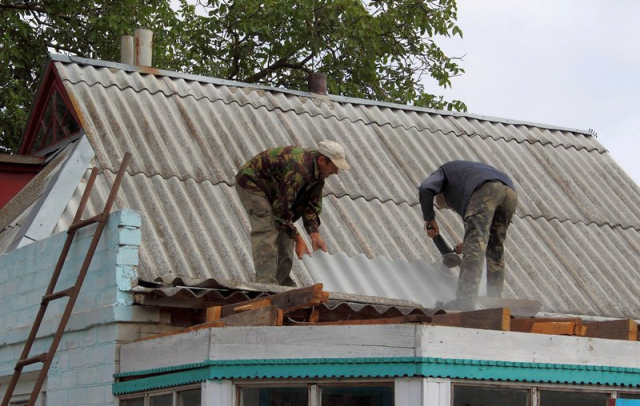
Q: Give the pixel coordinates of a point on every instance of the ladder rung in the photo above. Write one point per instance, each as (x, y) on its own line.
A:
(58, 295)
(83, 223)
(28, 361)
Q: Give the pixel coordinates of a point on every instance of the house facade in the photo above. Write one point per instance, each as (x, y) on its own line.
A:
(177, 244)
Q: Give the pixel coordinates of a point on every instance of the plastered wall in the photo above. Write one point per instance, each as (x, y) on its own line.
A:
(83, 368)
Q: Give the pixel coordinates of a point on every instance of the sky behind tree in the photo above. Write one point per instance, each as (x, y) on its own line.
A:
(569, 63)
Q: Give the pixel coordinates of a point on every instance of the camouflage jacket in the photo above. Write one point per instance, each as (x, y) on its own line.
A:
(289, 178)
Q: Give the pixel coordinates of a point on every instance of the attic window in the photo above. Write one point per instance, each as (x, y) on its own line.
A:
(55, 123)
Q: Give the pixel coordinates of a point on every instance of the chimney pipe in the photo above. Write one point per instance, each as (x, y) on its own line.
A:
(317, 83)
(144, 40)
(126, 49)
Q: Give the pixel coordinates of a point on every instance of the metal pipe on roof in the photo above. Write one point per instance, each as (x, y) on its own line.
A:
(317, 83)
(144, 40)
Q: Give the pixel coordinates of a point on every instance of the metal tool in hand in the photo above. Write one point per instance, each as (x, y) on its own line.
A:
(449, 257)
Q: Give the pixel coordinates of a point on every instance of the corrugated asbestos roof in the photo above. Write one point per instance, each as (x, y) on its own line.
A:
(422, 282)
(574, 244)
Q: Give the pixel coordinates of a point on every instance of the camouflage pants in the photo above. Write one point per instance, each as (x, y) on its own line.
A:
(272, 249)
(486, 221)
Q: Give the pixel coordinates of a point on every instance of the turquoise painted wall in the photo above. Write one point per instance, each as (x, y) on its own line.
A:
(82, 371)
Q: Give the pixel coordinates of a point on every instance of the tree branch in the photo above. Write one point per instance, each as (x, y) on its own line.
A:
(279, 64)
(33, 9)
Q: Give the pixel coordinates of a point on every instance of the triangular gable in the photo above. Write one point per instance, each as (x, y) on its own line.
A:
(52, 119)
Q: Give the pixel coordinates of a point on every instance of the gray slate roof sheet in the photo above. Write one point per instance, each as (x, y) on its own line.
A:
(574, 243)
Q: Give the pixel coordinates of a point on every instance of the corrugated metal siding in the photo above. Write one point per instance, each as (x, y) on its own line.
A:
(575, 244)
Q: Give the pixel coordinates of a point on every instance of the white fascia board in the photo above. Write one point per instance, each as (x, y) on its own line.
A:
(508, 346)
(370, 342)
(232, 343)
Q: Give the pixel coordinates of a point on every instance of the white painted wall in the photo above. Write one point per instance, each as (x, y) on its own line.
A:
(422, 391)
(402, 340)
(270, 343)
(450, 342)
(218, 393)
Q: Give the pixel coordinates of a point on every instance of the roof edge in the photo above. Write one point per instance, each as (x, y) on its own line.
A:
(391, 367)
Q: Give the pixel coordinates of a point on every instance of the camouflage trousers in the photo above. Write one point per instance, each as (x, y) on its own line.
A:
(272, 249)
(486, 220)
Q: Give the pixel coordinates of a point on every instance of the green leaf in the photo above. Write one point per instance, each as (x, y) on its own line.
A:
(381, 49)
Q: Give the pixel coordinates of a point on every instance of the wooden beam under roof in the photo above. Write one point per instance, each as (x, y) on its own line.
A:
(487, 319)
(412, 318)
(287, 301)
(613, 329)
(571, 326)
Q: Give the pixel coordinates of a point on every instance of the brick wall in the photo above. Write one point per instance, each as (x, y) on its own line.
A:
(83, 368)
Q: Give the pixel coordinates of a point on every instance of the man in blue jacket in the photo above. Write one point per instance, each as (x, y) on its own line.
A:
(486, 199)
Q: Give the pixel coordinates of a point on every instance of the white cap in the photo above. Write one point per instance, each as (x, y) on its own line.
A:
(333, 151)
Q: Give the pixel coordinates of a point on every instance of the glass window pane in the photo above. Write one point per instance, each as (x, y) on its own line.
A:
(292, 396)
(61, 108)
(562, 398)
(48, 113)
(161, 400)
(476, 396)
(357, 395)
(189, 398)
(132, 402)
(37, 142)
(48, 138)
(67, 125)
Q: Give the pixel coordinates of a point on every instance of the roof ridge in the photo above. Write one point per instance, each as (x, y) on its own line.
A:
(334, 98)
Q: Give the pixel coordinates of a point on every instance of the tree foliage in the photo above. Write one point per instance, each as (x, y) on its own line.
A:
(31, 29)
(377, 49)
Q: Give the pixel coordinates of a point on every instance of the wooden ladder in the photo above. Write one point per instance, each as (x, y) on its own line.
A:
(72, 292)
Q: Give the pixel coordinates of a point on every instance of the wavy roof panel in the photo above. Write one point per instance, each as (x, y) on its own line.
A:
(574, 244)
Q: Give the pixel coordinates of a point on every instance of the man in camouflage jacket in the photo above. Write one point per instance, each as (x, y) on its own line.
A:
(486, 199)
(277, 187)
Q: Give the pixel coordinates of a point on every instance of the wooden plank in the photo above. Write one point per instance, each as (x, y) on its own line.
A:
(314, 316)
(412, 318)
(613, 329)
(569, 328)
(526, 325)
(213, 313)
(321, 298)
(240, 307)
(287, 301)
(488, 319)
(263, 316)
(181, 302)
